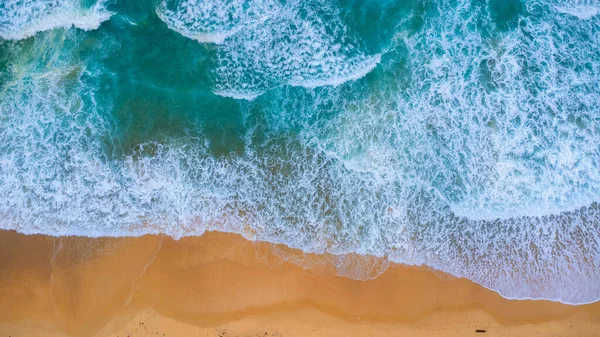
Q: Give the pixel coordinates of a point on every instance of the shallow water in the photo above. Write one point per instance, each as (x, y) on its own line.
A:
(462, 135)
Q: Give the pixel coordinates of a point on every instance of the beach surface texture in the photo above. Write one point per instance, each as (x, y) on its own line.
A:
(224, 285)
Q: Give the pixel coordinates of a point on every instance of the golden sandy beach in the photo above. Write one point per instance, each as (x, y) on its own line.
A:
(224, 285)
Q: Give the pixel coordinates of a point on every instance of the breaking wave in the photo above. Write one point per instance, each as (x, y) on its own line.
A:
(22, 19)
(582, 9)
(266, 44)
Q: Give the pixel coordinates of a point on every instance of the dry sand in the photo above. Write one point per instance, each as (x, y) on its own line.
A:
(223, 285)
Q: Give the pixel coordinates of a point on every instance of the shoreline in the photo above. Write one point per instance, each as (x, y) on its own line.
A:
(221, 284)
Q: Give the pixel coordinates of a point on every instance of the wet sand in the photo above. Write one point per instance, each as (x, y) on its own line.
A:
(224, 285)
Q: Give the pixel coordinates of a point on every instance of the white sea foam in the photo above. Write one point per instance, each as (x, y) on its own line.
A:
(213, 21)
(344, 74)
(495, 144)
(248, 96)
(582, 12)
(295, 46)
(341, 76)
(582, 9)
(23, 19)
(265, 44)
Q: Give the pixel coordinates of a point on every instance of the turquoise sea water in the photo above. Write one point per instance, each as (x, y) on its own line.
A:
(459, 134)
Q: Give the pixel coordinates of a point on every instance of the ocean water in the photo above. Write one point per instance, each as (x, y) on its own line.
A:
(463, 135)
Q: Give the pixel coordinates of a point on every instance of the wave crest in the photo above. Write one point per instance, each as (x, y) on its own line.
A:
(267, 44)
(213, 21)
(23, 19)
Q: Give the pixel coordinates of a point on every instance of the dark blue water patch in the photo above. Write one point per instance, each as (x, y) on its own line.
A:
(5, 58)
(505, 13)
(486, 77)
(376, 21)
(395, 67)
(155, 87)
(150, 52)
(158, 86)
(423, 10)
